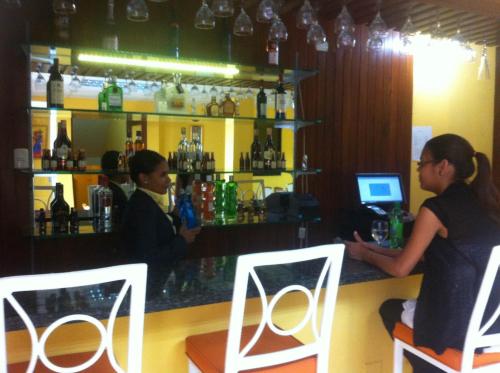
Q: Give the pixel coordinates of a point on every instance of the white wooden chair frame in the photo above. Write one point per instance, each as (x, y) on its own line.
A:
(237, 360)
(476, 336)
(134, 276)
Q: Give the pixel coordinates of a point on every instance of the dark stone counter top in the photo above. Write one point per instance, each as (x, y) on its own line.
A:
(190, 283)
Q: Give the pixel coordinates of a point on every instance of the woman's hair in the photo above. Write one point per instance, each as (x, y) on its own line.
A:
(459, 152)
(144, 162)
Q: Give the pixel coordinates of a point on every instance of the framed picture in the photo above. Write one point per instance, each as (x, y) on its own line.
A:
(40, 139)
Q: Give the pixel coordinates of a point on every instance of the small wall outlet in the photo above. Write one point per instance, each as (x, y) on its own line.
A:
(21, 158)
(302, 232)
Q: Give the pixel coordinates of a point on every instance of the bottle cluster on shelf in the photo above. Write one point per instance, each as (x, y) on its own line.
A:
(63, 157)
(190, 156)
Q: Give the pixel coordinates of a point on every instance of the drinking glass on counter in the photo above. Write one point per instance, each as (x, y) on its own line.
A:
(380, 231)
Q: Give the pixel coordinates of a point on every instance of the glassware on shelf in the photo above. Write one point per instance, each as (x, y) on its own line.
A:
(75, 83)
(64, 7)
(265, 11)
(223, 8)
(40, 82)
(380, 231)
(407, 34)
(278, 31)
(305, 16)
(377, 33)
(155, 87)
(137, 11)
(205, 18)
(160, 97)
(243, 24)
(345, 27)
(132, 85)
(316, 34)
(484, 66)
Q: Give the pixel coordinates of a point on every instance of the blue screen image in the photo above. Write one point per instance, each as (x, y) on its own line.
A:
(379, 188)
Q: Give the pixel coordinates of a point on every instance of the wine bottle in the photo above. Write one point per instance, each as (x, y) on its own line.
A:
(59, 211)
(273, 52)
(46, 159)
(139, 143)
(248, 163)
(74, 223)
(242, 162)
(280, 100)
(82, 160)
(255, 149)
(110, 38)
(269, 149)
(261, 102)
(55, 87)
(62, 144)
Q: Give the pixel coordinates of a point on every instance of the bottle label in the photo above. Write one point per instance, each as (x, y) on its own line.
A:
(114, 100)
(281, 102)
(57, 92)
(268, 154)
(263, 109)
(82, 164)
(273, 164)
(53, 164)
(45, 164)
(273, 57)
(69, 164)
(260, 164)
(62, 152)
(255, 164)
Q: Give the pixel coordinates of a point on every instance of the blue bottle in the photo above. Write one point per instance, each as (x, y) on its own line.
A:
(186, 210)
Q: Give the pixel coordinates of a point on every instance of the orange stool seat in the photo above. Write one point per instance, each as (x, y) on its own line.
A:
(208, 351)
(450, 357)
(101, 366)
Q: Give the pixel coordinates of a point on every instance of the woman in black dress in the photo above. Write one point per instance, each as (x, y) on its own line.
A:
(454, 232)
(150, 234)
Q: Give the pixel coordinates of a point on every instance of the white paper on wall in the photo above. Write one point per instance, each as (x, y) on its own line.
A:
(420, 135)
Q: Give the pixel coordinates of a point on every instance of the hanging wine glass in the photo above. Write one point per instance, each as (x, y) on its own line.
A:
(437, 33)
(132, 85)
(407, 34)
(344, 27)
(11, 3)
(249, 93)
(305, 16)
(205, 18)
(40, 82)
(377, 33)
(204, 93)
(194, 91)
(147, 91)
(484, 66)
(75, 83)
(265, 11)
(316, 34)
(243, 24)
(278, 31)
(137, 11)
(64, 7)
(223, 8)
(155, 87)
(213, 91)
(469, 54)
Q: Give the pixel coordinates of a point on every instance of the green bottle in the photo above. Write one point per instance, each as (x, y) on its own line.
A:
(396, 226)
(231, 200)
(113, 96)
(219, 198)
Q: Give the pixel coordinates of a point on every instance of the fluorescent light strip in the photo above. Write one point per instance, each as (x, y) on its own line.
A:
(178, 66)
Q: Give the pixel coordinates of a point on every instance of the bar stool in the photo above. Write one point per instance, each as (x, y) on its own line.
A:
(134, 279)
(265, 347)
(452, 360)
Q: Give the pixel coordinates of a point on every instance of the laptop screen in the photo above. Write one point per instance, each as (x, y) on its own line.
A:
(379, 188)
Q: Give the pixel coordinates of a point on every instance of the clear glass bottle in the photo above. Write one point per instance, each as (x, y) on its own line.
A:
(219, 197)
(230, 200)
(182, 149)
(207, 200)
(161, 103)
(110, 38)
(105, 205)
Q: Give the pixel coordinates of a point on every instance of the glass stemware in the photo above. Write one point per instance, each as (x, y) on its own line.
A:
(278, 31)
(344, 27)
(265, 11)
(223, 8)
(243, 24)
(40, 82)
(316, 34)
(132, 86)
(155, 86)
(484, 66)
(137, 11)
(213, 92)
(75, 83)
(406, 35)
(380, 231)
(205, 18)
(64, 7)
(377, 33)
(305, 16)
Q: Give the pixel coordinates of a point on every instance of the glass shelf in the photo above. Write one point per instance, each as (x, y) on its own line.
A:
(247, 77)
(87, 229)
(38, 172)
(288, 124)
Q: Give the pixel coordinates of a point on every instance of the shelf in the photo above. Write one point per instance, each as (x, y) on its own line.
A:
(37, 172)
(284, 124)
(248, 76)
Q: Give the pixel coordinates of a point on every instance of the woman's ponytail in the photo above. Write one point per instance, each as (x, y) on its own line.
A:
(483, 187)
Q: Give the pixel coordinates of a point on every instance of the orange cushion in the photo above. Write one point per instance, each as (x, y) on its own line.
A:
(208, 351)
(101, 366)
(450, 357)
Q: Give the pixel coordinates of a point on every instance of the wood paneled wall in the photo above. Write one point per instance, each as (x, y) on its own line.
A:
(364, 99)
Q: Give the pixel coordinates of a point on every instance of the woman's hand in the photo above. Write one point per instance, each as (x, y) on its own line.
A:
(357, 249)
(189, 234)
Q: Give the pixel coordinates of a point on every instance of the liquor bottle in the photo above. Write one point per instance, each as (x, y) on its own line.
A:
(219, 197)
(280, 100)
(213, 108)
(169, 161)
(228, 106)
(129, 145)
(242, 162)
(248, 163)
(283, 161)
(59, 210)
(396, 226)
(255, 149)
(55, 87)
(46, 159)
(230, 200)
(175, 162)
(110, 38)
(74, 223)
(101, 97)
(62, 144)
(182, 148)
(41, 222)
(53, 160)
(138, 144)
(273, 52)
(75, 160)
(204, 162)
(269, 149)
(105, 206)
(161, 102)
(261, 102)
(207, 200)
(196, 186)
(114, 96)
(197, 146)
(273, 161)
(122, 162)
(82, 160)
(69, 162)
(212, 162)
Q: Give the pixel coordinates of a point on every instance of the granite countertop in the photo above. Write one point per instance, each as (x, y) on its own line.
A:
(190, 283)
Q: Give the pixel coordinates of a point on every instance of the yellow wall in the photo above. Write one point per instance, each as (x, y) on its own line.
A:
(448, 96)
(359, 341)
